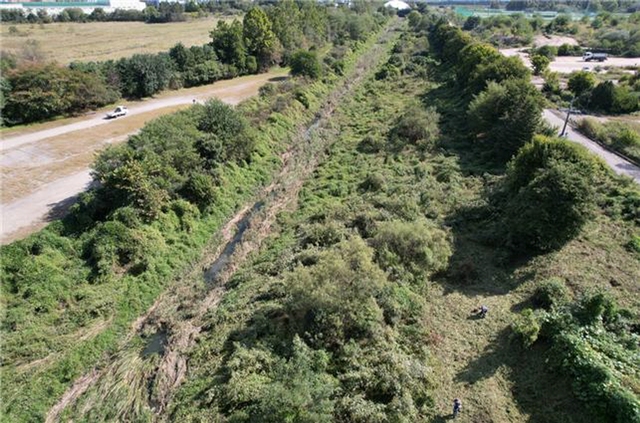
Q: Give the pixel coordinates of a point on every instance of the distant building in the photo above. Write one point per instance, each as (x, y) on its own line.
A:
(397, 4)
(54, 8)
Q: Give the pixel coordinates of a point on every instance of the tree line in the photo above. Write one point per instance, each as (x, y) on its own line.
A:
(266, 36)
(164, 12)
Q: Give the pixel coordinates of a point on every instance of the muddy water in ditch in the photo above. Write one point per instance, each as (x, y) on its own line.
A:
(156, 343)
(219, 264)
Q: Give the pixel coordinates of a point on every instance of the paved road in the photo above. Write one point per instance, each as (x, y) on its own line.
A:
(46, 170)
(617, 163)
(568, 64)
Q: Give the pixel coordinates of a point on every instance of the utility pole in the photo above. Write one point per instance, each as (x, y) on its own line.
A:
(564, 128)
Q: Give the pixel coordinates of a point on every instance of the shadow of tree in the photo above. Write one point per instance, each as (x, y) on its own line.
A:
(484, 263)
(59, 209)
(474, 158)
(278, 78)
(544, 395)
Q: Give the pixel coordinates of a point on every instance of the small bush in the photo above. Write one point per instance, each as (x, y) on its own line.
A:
(593, 308)
(322, 234)
(200, 190)
(551, 294)
(420, 246)
(540, 63)
(371, 145)
(373, 182)
(634, 243)
(526, 328)
(305, 63)
(417, 127)
(388, 71)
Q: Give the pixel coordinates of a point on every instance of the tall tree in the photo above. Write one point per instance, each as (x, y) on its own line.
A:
(505, 116)
(285, 19)
(259, 37)
(228, 42)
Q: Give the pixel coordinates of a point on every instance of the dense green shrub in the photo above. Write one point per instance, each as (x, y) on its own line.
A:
(526, 328)
(371, 144)
(610, 98)
(305, 63)
(334, 300)
(230, 130)
(550, 294)
(200, 190)
(322, 234)
(551, 189)
(267, 388)
(373, 182)
(41, 92)
(550, 52)
(417, 127)
(569, 50)
(634, 243)
(143, 75)
(581, 82)
(540, 63)
(388, 71)
(506, 116)
(542, 152)
(419, 246)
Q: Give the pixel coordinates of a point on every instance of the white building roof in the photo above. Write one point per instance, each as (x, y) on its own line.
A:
(397, 4)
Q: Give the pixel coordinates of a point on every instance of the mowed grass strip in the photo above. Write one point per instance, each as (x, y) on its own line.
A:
(68, 42)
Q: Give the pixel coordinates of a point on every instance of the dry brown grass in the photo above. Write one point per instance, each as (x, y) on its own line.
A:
(67, 42)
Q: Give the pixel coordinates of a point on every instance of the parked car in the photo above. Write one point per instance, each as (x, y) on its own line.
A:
(119, 111)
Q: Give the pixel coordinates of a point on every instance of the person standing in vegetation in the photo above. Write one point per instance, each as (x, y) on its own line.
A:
(457, 407)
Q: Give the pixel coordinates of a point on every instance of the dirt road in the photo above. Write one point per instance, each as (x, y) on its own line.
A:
(566, 64)
(617, 163)
(44, 168)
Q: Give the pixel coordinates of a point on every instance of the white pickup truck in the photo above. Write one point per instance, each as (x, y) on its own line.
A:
(119, 111)
(598, 57)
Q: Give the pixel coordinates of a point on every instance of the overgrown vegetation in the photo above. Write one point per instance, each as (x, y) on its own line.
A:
(163, 194)
(550, 192)
(619, 136)
(593, 343)
(356, 308)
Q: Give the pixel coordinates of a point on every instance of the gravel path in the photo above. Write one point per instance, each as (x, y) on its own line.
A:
(617, 163)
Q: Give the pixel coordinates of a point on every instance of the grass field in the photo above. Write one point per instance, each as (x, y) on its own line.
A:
(67, 42)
